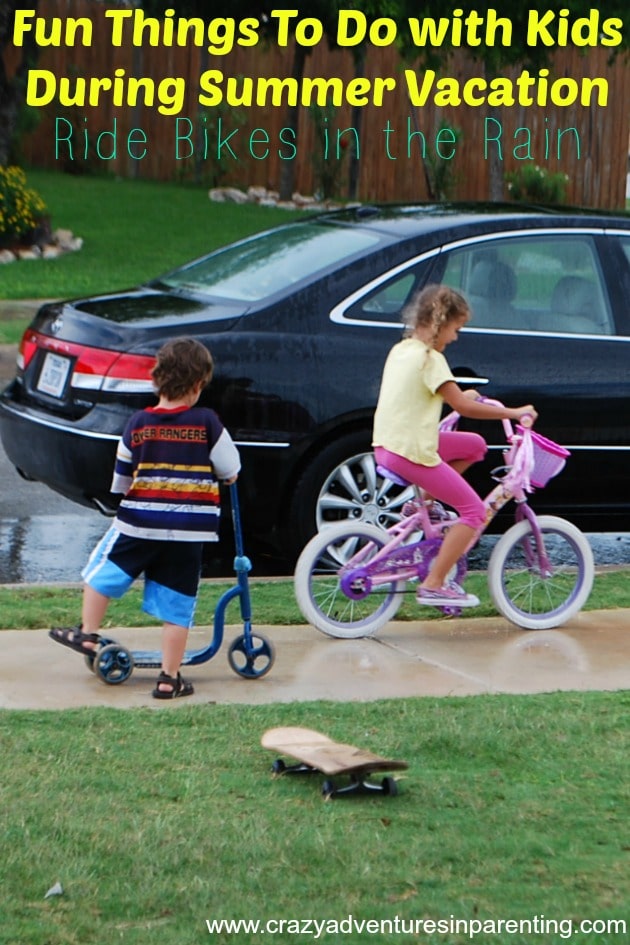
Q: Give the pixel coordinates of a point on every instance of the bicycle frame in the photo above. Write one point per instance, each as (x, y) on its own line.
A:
(397, 561)
(349, 579)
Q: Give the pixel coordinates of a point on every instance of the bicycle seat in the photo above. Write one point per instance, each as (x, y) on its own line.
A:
(392, 476)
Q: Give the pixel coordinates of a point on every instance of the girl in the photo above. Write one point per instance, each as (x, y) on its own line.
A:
(416, 382)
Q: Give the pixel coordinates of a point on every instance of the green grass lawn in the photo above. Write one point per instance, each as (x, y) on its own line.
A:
(273, 602)
(154, 821)
(132, 231)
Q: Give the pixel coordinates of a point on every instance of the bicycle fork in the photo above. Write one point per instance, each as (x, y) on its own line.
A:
(494, 502)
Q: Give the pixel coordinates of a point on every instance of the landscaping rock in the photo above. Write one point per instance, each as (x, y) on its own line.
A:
(270, 198)
(61, 241)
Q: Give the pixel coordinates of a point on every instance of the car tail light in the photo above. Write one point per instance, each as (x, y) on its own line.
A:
(97, 369)
(28, 347)
(131, 374)
(94, 368)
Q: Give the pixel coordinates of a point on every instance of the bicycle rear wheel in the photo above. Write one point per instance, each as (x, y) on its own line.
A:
(527, 596)
(345, 612)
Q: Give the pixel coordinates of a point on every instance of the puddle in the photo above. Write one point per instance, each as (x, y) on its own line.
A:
(46, 548)
(54, 548)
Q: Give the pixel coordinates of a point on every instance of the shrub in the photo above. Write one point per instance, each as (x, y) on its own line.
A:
(21, 208)
(531, 183)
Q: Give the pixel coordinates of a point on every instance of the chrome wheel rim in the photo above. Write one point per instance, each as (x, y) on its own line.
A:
(354, 491)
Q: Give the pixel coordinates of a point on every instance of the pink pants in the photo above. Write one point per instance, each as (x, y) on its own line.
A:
(441, 481)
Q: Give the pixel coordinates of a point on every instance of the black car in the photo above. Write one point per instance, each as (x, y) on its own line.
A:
(300, 319)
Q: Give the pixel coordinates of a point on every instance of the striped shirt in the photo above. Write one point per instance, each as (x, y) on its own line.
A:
(168, 466)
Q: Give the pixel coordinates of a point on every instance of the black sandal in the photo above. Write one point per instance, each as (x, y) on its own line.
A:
(74, 638)
(179, 687)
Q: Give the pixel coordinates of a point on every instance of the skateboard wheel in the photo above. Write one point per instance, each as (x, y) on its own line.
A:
(278, 767)
(328, 789)
(251, 657)
(113, 664)
(390, 786)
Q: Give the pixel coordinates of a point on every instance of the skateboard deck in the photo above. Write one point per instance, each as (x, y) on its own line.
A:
(315, 752)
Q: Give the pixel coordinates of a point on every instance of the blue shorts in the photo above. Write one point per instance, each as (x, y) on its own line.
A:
(171, 573)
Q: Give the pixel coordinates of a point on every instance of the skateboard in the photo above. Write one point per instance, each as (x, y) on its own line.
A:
(316, 753)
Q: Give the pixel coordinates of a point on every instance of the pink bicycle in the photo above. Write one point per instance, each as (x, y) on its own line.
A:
(350, 579)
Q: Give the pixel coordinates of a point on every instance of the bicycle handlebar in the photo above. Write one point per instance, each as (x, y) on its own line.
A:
(526, 421)
(507, 424)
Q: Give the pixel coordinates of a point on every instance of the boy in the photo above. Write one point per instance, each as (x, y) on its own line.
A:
(168, 464)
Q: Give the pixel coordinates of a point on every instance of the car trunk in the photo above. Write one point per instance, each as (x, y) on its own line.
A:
(77, 354)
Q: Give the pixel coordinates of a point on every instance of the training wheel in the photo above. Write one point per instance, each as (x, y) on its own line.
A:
(113, 664)
(251, 658)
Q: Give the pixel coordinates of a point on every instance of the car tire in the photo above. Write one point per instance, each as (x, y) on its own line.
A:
(341, 484)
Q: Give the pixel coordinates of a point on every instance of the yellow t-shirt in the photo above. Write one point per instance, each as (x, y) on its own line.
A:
(409, 409)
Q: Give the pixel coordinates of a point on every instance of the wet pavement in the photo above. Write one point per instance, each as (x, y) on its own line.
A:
(462, 657)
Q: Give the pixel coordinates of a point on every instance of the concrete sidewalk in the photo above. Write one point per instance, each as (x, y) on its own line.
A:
(421, 658)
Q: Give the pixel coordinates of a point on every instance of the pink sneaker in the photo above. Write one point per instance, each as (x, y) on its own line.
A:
(437, 513)
(451, 595)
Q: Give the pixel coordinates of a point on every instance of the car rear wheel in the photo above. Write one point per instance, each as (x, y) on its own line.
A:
(342, 485)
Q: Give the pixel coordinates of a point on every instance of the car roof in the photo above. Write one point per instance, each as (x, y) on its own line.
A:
(407, 220)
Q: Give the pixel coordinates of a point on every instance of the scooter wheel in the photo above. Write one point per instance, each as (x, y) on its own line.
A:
(251, 657)
(89, 657)
(113, 664)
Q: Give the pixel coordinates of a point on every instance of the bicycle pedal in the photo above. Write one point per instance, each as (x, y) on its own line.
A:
(451, 611)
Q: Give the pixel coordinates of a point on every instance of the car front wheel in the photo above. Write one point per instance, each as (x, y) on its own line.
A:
(342, 484)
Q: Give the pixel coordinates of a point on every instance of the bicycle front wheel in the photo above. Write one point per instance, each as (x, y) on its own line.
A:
(326, 600)
(526, 593)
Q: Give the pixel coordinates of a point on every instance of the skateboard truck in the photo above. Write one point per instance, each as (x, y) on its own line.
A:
(357, 784)
(315, 753)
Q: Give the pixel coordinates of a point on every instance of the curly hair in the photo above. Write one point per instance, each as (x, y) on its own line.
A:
(433, 307)
(181, 364)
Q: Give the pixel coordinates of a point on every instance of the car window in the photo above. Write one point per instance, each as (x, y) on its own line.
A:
(386, 302)
(533, 283)
(269, 263)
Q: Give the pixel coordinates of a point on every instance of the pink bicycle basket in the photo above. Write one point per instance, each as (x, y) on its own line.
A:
(549, 459)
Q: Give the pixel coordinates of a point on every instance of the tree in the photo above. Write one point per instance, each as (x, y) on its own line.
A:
(12, 87)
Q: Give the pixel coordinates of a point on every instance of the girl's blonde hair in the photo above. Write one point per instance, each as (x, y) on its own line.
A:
(433, 307)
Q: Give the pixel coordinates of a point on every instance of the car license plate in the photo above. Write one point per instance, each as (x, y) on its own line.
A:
(54, 374)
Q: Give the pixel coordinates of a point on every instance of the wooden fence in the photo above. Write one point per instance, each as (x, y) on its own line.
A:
(390, 165)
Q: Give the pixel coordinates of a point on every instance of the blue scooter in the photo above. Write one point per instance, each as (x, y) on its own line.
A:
(250, 655)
